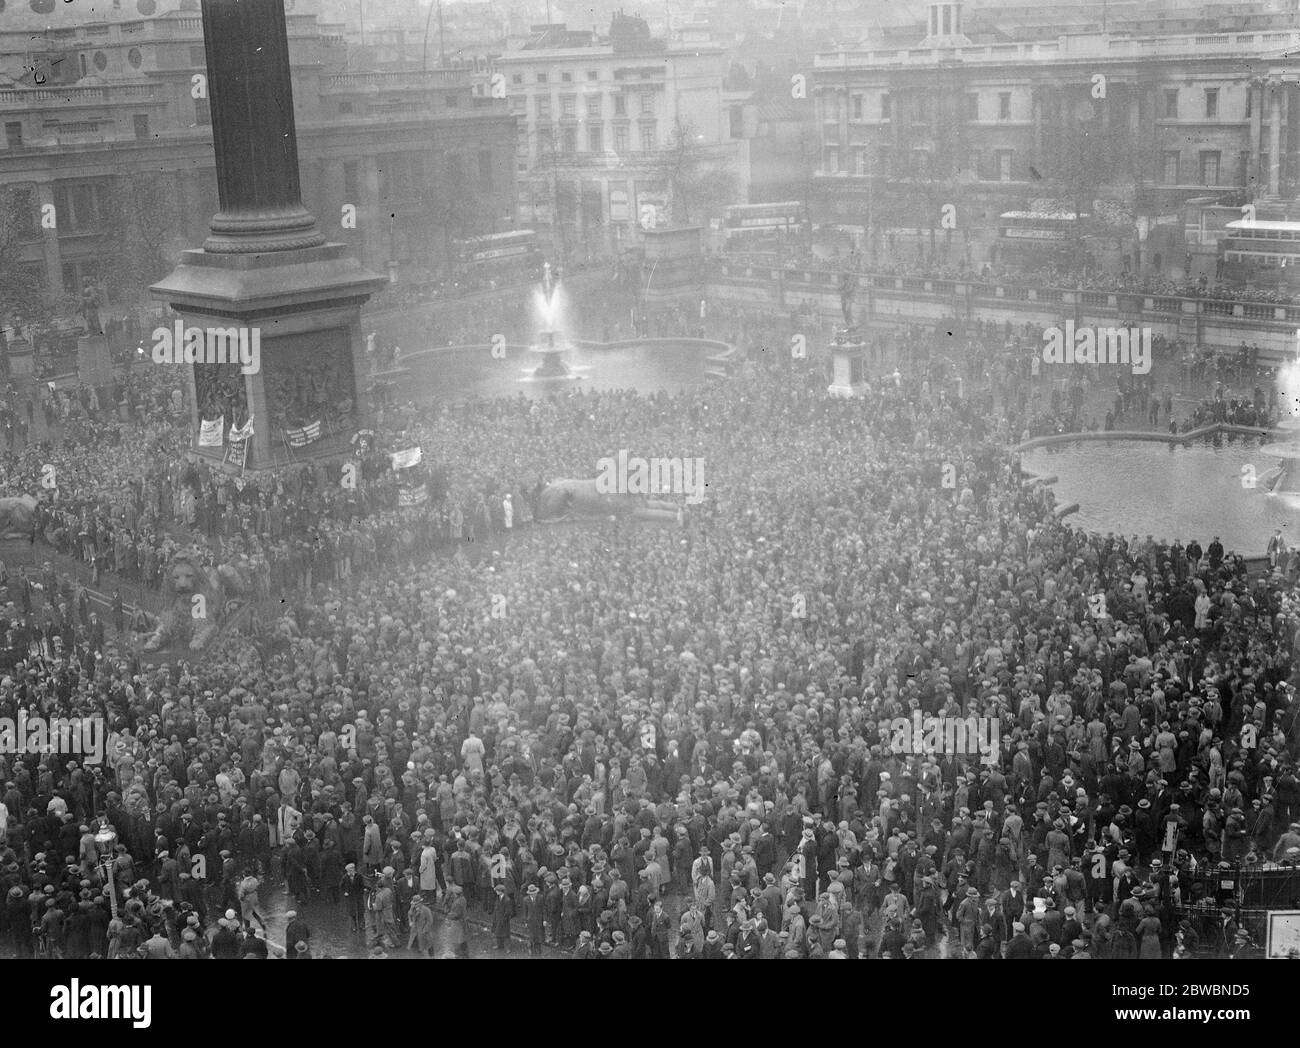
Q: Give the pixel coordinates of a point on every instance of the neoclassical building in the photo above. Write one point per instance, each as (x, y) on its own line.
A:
(91, 98)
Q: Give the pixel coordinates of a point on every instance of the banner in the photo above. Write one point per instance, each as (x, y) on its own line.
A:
(300, 438)
(210, 432)
(415, 496)
(406, 459)
(237, 453)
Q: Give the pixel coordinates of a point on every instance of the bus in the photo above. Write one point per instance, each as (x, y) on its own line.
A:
(1260, 251)
(745, 224)
(1037, 236)
(497, 256)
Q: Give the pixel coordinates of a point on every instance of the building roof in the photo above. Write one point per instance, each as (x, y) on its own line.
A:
(39, 16)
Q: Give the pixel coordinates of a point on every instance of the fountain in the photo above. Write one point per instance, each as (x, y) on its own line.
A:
(1284, 479)
(553, 368)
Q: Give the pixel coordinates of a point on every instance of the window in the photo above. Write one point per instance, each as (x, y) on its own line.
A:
(197, 57)
(543, 107)
(24, 212)
(516, 78)
(1003, 158)
(541, 78)
(485, 169)
(141, 121)
(202, 114)
(620, 105)
(566, 78)
(569, 141)
(545, 140)
(350, 185)
(1171, 103)
(973, 163)
(517, 103)
(647, 105)
(1250, 101)
(345, 108)
(1169, 169)
(736, 121)
(884, 107)
(595, 140)
(972, 107)
(593, 106)
(14, 134)
(1210, 168)
(1211, 103)
(568, 106)
(831, 160)
(648, 143)
(620, 139)
(857, 107)
(592, 74)
(1004, 105)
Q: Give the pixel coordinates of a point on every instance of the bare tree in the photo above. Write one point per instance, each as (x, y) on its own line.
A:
(142, 215)
(697, 185)
(21, 295)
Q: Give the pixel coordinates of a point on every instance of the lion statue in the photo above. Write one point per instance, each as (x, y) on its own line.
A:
(194, 602)
(18, 517)
(562, 499)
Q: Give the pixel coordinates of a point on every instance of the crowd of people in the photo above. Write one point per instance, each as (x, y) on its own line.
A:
(926, 266)
(631, 740)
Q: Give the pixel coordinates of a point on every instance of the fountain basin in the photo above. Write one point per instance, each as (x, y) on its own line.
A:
(1169, 490)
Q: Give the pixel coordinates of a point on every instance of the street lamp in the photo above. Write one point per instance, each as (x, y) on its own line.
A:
(435, 5)
(105, 842)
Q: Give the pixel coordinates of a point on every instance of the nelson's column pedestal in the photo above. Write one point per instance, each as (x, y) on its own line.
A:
(266, 268)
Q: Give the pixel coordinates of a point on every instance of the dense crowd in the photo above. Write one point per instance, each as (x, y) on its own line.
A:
(650, 741)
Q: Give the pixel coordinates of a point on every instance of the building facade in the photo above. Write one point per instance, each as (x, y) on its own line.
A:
(106, 144)
(1120, 130)
(605, 122)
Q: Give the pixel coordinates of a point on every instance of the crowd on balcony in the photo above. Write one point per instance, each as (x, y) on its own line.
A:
(804, 259)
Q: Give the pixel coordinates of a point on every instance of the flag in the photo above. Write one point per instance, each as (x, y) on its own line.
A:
(210, 431)
(239, 433)
(406, 459)
(308, 434)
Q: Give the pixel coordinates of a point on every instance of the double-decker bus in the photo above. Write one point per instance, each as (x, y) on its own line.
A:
(1036, 236)
(1260, 251)
(744, 225)
(497, 256)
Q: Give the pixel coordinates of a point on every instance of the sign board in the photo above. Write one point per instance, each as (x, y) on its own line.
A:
(1283, 935)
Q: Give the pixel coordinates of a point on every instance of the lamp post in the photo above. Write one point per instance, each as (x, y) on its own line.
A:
(435, 5)
(105, 842)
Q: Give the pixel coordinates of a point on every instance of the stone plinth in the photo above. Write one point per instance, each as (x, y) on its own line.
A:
(94, 362)
(306, 309)
(848, 366)
(22, 362)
